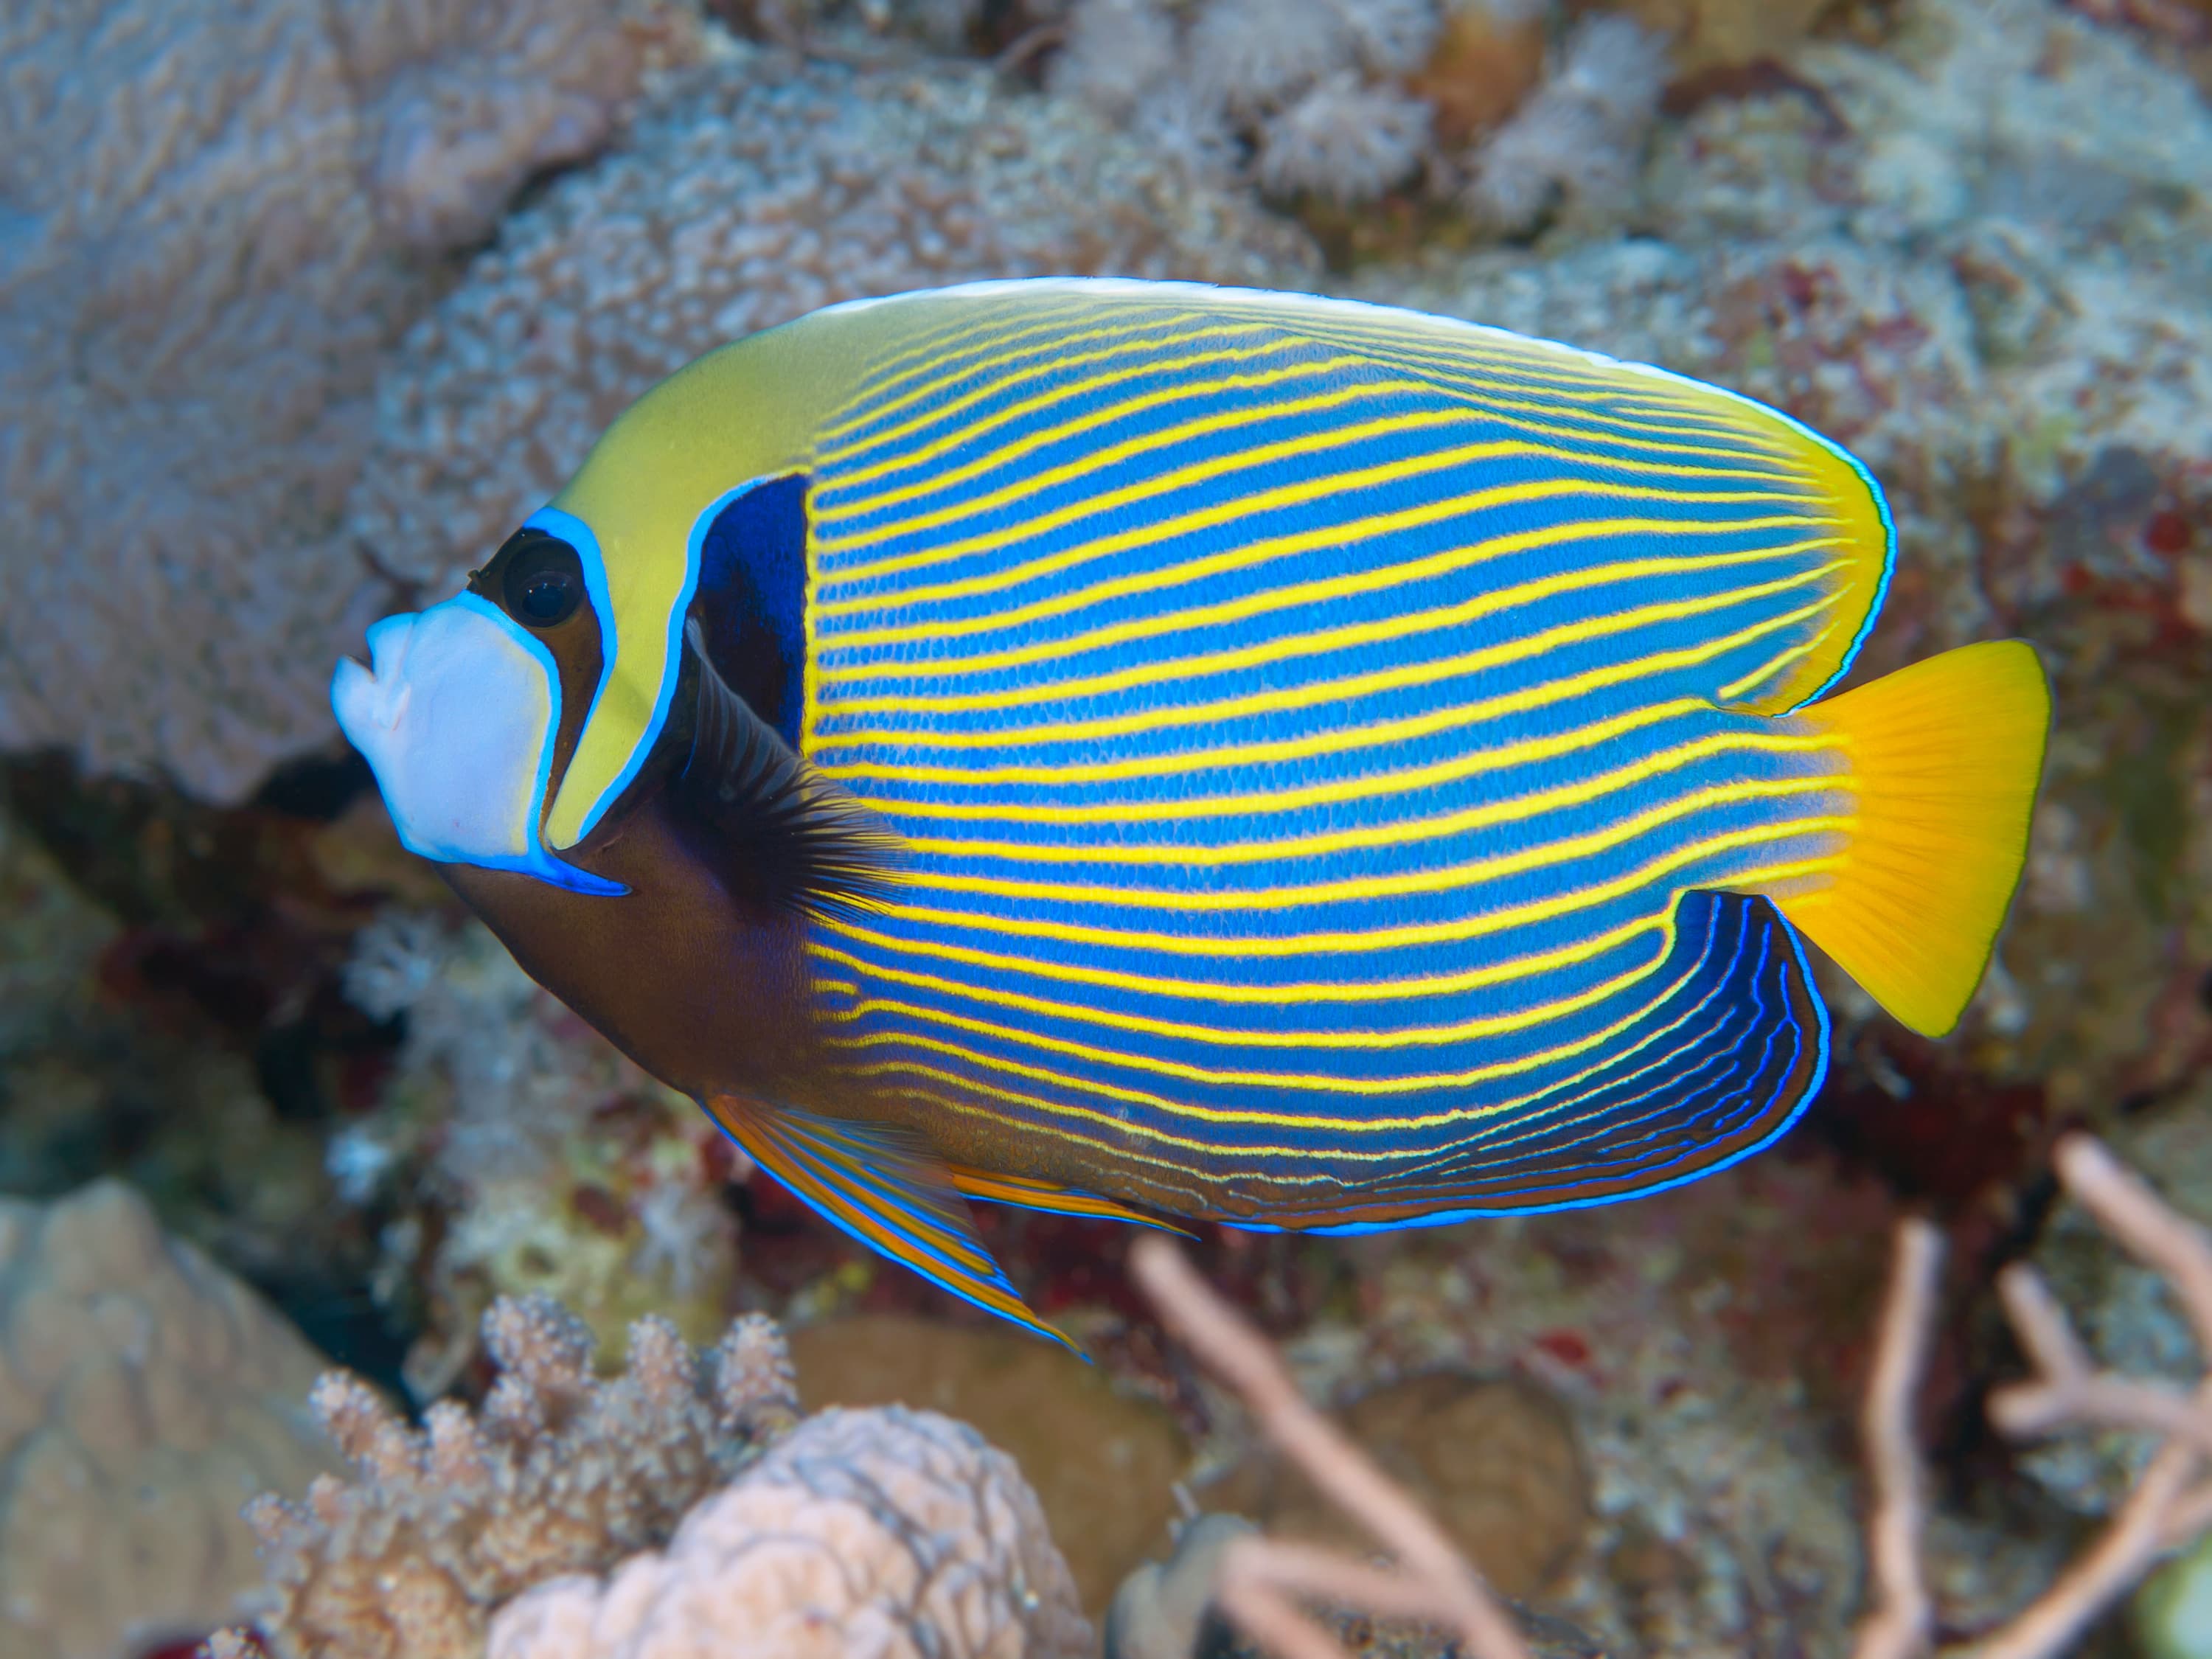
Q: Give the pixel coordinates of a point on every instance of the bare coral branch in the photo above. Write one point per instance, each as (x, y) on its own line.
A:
(1264, 1581)
(2171, 1503)
(1898, 1626)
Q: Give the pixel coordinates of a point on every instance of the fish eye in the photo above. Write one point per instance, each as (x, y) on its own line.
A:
(544, 583)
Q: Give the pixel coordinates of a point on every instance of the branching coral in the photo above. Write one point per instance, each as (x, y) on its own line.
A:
(2171, 1505)
(671, 1512)
(216, 217)
(560, 1471)
(1263, 1585)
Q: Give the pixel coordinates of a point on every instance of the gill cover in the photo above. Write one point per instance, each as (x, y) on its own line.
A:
(640, 508)
(457, 714)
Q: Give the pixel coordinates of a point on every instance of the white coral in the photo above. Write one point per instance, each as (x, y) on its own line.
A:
(1254, 54)
(1116, 52)
(1582, 135)
(895, 1534)
(1345, 140)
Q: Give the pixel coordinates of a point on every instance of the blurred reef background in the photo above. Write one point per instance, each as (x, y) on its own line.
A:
(302, 307)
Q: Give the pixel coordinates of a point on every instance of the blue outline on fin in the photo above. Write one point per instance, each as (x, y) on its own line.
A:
(1815, 1081)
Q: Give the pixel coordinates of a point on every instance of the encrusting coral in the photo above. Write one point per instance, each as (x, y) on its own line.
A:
(676, 1510)
(144, 1395)
(216, 217)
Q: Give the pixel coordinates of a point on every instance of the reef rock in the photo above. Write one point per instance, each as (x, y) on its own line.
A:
(145, 1395)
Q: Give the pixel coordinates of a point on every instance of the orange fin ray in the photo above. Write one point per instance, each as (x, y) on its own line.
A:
(1030, 1194)
(884, 1187)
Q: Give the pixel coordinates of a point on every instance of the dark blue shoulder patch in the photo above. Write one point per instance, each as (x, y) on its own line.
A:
(751, 602)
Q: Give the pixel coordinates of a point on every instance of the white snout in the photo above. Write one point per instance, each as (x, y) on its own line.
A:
(456, 714)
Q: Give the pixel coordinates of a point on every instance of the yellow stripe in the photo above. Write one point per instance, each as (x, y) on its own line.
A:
(1436, 621)
(1395, 989)
(1359, 941)
(1564, 372)
(1121, 1130)
(1486, 1025)
(1397, 677)
(848, 476)
(1045, 344)
(1404, 833)
(1451, 878)
(1403, 781)
(1335, 534)
(1363, 1087)
(1734, 691)
(1327, 742)
(1306, 444)
(1298, 595)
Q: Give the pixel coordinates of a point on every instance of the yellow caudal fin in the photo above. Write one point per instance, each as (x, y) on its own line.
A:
(1945, 759)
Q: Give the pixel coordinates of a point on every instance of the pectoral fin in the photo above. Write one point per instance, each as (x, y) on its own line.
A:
(776, 825)
(883, 1187)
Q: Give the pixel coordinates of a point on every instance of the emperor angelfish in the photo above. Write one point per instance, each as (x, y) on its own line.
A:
(1161, 751)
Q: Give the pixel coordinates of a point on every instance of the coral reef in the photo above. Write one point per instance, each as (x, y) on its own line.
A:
(144, 1395)
(1075, 1435)
(1345, 100)
(1269, 1587)
(512, 1150)
(218, 220)
(679, 1507)
(1578, 141)
(890, 1532)
(1976, 255)
(559, 1472)
(767, 187)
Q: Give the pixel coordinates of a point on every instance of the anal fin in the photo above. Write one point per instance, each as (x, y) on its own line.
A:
(1030, 1194)
(882, 1186)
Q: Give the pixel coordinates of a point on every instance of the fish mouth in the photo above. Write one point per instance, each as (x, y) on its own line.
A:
(372, 698)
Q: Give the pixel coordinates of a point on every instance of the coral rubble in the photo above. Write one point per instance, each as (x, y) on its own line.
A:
(144, 1395)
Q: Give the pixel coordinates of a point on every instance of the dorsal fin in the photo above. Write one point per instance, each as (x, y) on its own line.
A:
(777, 827)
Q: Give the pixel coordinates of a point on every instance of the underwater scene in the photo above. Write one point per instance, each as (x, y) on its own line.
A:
(1105, 828)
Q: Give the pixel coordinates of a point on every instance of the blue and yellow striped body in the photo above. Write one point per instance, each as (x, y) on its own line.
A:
(1332, 768)
(1328, 753)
